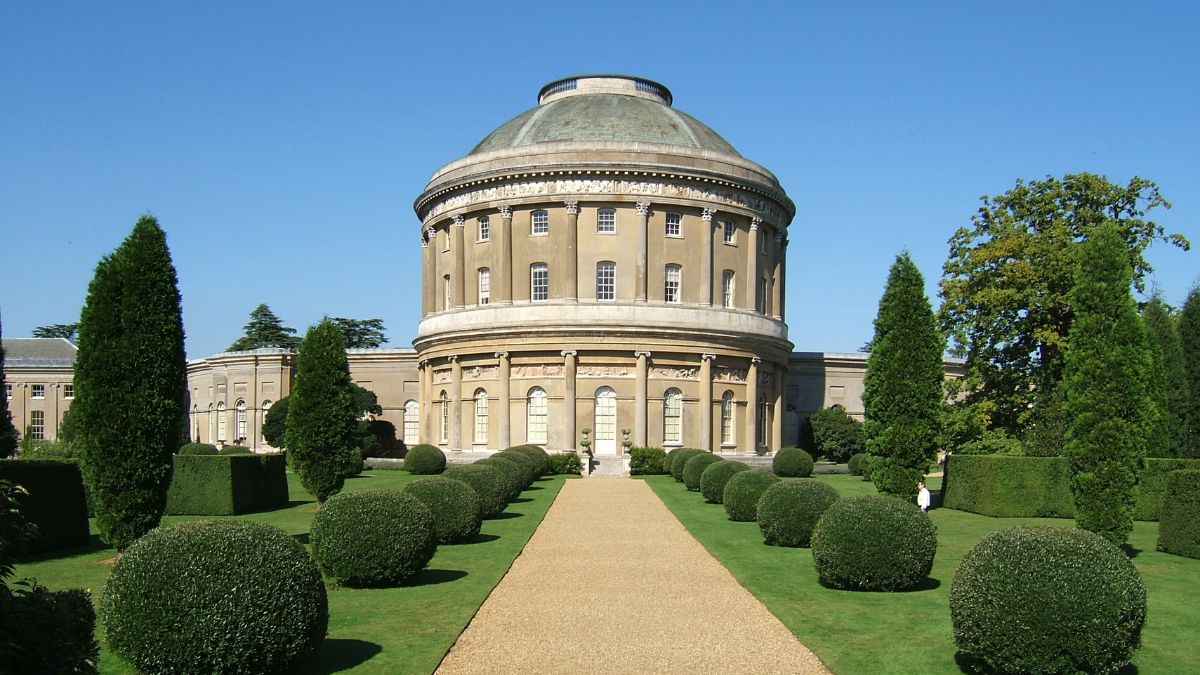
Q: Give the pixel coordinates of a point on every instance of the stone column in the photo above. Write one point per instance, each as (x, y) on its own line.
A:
(421, 387)
(777, 279)
(752, 405)
(777, 409)
(436, 280)
(502, 424)
(569, 399)
(427, 430)
(455, 404)
(639, 401)
(502, 285)
(706, 259)
(706, 402)
(459, 255)
(571, 256)
(643, 214)
(428, 283)
(750, 287)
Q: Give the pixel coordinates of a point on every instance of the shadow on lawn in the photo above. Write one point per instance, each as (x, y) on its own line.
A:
(429, 577)
(94, 544)
(477, 539)
(505, 515)
(338, 654)
(926, 584)
(969, 664)
(301, 537)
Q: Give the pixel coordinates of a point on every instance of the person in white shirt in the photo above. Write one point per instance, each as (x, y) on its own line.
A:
(923, 496)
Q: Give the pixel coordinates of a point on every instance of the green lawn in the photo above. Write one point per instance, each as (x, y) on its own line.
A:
(855, 632)
(393, 630)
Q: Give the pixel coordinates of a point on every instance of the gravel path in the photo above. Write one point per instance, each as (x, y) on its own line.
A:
(611, 582)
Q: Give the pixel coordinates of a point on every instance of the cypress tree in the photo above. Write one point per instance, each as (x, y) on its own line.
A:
(1109, 409)
(1189, 339)
(130, 384)
(321, 419)
(1174, 396)
(8, 433)
(902, 388)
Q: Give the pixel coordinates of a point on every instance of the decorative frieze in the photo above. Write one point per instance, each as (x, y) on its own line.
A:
(597, 370)
(543, 370)
(481, 373)
(735, 375)
(667, 373)
(441, 377)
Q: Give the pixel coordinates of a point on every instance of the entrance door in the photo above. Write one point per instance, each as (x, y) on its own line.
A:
(606, 421)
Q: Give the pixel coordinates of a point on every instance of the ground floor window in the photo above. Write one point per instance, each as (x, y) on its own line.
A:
(445, 417)
(481, 416)
(673, 416)
(37, 425)
(727, 418)
(536, 416)
(412, 423)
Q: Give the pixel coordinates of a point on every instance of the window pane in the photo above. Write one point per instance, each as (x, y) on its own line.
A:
(727, 419)
(606, 276)
(673, 224)
(485, 229)
(727, 288)
(445, 417)
(539, 282)
(37, 424)
(536, 422)
(606, 220)
(37, 391)
(241, 420)
(485, 286)
(481, 416)
(412, 420)
(671, 290)
(541, 223)
(673, 416)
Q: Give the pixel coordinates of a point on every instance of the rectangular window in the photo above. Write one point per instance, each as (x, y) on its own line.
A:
(68, 390)
(485, 229)
(727, 289)
(446, 292)
(539, 282)
(673, 417)
(727, 419)
(606, 221)
(762, 241)
(673, 229)
(540, 225)
(537, 422)
(762, 296)
(485, 286)
(671, 289)
(729, 230)
(37, 391)
(481, 418)
(37, 425)
(445, 418)
(606, 280)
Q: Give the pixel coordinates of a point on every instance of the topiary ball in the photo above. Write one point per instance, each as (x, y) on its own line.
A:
(453, 505)
(373, 537)
(512, 473)
(539, 456)
(1047, 600)
(489, 483)
(792, 463)
(425, 460)
(857, 464)
(873, 543)
(742, 492)
(529, 468)
(694, 469)
(789, 510)
(214, 596)
(198, 449)
(669, 460)
(712, 481)
(680, 462)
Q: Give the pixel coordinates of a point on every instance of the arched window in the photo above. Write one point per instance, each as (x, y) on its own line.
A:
(535, 416)
(727, 288)
(539, 225)
(606, 221)
(221, 422)
(485, 285)
(539, 282)
(445, 417)
(673, 416)
(671, 291)
(605, 427)
(240, 419)
(606, 280)
(481, 416)
(412, 423)
(762, 420)
(727, 418)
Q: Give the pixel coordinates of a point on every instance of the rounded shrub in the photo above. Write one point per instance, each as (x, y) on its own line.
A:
(512, 473)
(198, 449)
(680, 462)
(742, 492)
(539, 456)
(669, 460)
(789, 510)
(857, 464)
(1047, 600)
(694, 469)
(528, 465)
(489, 483)
(873, 543)
(425, 460)
(453, 505)
(214, 596)
(712, 481)
(792, 463)
(372, 537)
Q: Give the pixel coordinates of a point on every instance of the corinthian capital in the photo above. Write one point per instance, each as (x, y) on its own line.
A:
(707, 215)
(643, 208)
(505, 211)
(755, 222)
(459, 221)
(572, 206)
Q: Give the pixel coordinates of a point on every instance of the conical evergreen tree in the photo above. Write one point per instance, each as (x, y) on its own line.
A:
(1175, 397)
(265, 330)
(8, 433)
(902, 394)
(1109, 409)
(321, 418)
(1189, 340)
(131, 384)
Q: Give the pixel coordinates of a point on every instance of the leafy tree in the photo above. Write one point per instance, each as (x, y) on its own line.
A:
(362, 333)
(365, 403)
(265, 330)
(8, 432)
(902, 388)
(320, 415)
(1108, 406)
(274, 427)
(69, 331)
(1173, 392)
(1189, 340)
(130, 384)
(836, 434)
(1007, 281)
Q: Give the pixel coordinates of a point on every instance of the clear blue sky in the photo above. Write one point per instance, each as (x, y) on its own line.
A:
(281, 144)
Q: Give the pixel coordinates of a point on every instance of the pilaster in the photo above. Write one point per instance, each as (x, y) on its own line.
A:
(706, 259)
(639, 402)
(571, 254)
(502, 424)
(569, 394)
(706, 402)
(456, 416)
(502, 287)
(750, 285)
(751, 444)
(643, 220)
(460, 261)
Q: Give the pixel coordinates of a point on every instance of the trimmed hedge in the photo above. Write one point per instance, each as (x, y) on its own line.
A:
(567, 463)
(1047, 600)
(1152, 487)
(489, 483)
(373, 537)
(1179, 523)
(198, 449)
(742, 492)
(680, 460)
(453, 505)
(789, 510)
(873, 543)
(235, 450)
(510, 472)
(56, 503)
(425, 460)
(45, 631)
(214, 596)
(539, 456)
(226, 485)
(647, 461)
(528, 465)
(714, 478)
(792, 463)
(858, 464)
(694, 469)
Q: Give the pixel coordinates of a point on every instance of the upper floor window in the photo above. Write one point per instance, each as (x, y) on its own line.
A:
(762, 296)
(539, 282)
(485, 286)
(729, 230)
(37, 391)
(606, 280)
(671, 288)
(727, 288)
(673, 229)
(606, 221)
(762, 241)
(485, 229)
(540, 225)
(68, 390)
(446, 292)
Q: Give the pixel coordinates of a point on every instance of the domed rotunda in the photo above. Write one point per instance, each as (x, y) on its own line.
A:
(603, 262)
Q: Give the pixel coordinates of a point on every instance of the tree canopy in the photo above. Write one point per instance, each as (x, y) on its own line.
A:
(361, 333)
(1174, 394)
(1007, 281)
(1189, 339)
(265, 330)
(836, 434)
(69, 331)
